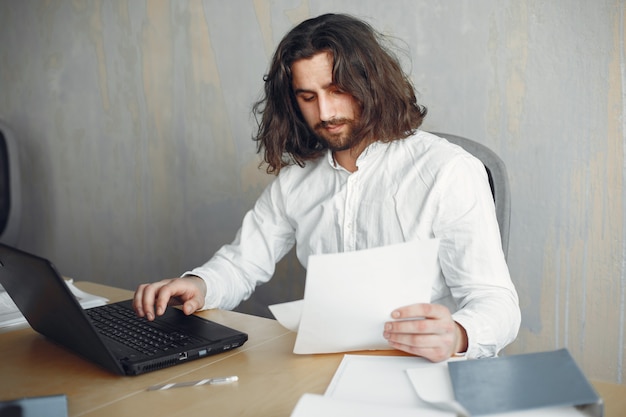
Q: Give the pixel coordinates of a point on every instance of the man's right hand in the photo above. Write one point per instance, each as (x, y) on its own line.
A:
(151, 300)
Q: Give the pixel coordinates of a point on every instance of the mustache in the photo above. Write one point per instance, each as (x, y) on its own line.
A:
(333, 122)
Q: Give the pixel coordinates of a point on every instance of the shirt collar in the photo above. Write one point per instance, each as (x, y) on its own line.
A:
(367, 154)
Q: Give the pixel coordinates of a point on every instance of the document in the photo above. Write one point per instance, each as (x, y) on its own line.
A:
(11, 316)
(313, 405)
(367, 386)
(288, 314)
(377, 380)
(349, 296)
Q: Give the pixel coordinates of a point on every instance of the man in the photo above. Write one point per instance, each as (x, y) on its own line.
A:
(339, 127)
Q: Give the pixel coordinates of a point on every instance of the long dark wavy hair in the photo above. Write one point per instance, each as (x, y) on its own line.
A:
(362, 67)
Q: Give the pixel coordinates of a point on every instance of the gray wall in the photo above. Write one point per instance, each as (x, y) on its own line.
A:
(134, 127)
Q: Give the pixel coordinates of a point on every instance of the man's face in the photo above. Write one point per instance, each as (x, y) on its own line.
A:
(329, 112)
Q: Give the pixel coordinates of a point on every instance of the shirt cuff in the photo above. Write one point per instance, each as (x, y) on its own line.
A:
(479, 343)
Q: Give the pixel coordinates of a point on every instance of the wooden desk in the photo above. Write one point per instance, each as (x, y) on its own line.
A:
(271, 377)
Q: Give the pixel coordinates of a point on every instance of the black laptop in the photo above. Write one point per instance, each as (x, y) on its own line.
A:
(110, 335)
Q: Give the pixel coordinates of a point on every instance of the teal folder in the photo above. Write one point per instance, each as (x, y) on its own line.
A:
(522, 382)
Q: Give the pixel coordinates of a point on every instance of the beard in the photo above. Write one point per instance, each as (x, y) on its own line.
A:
(337, 141)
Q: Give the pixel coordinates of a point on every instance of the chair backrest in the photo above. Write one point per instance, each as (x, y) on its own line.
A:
(498, 181)
(10, 187)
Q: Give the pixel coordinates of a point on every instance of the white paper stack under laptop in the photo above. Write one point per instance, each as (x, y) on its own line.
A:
(349, 296)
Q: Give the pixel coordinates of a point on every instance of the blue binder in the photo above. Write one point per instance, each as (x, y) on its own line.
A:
(523, 382)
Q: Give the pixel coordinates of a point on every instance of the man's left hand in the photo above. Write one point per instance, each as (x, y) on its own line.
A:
(426, 330)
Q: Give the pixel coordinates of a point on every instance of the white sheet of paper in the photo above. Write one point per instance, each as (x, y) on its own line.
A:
(288, 314)
(349, 296)
(313, 405)
(433, 385)
(376, 380)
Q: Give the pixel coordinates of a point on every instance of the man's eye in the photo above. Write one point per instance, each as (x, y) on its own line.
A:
(307, 98)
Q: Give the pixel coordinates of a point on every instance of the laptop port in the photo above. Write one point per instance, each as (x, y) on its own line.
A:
(182, 356)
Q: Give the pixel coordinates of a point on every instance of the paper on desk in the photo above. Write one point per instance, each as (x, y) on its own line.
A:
(349, 296)
(313, 405)
(433, 386)
(379, 382)
(376, 380)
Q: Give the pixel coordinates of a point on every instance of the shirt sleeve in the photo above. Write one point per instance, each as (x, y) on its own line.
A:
(235, 270)
(472, 260)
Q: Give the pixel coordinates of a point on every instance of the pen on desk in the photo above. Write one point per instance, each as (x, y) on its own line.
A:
(208, 381)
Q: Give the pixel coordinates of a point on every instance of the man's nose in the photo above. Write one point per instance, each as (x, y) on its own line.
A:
(327, 110)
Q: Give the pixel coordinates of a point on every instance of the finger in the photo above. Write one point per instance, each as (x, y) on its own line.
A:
(137, 297)
(167, 294)
(190, 306)
(433, 354)
(193, 299)
(433, 311)
(187, 291)
(435, 347)
(141, 300)
(145, 298)
(421, 341)
(420, 326)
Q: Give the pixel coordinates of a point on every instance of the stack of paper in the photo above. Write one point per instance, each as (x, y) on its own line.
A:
(10, 315)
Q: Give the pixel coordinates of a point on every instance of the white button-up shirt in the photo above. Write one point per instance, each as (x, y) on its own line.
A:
(420, 187)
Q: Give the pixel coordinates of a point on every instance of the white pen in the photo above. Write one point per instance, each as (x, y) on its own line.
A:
(208, 381)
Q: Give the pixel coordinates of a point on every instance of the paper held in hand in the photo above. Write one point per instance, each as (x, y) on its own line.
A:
(349, 296)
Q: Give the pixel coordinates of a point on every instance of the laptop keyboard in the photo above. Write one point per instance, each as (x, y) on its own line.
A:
(122, 325)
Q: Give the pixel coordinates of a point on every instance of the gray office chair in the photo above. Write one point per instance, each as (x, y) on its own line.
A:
(498, 181)
(10, 187)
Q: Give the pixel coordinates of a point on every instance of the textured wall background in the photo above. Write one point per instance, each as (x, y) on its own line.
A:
(134, 127)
